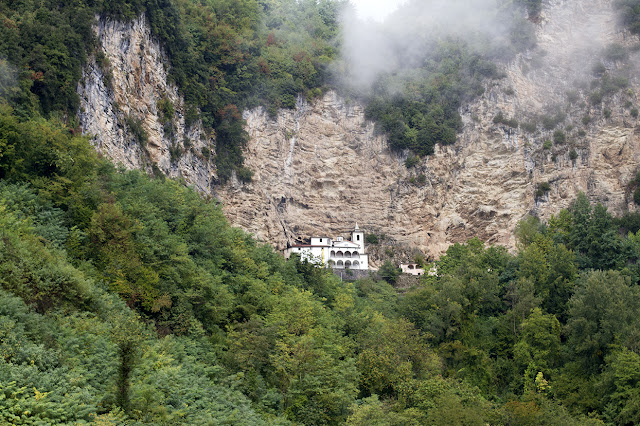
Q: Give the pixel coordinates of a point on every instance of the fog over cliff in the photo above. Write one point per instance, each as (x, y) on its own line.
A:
(404, 40)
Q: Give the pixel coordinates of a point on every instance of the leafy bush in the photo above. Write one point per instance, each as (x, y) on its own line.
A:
(530, 127)
(175, 152)
(167, 112)
(501, 119)
(598, 69)
(549, 122)
(135, 126)
(389, 272)
(542, 188)
(411, 161)
(244, 174)
(572, 96)
(371, 239)
(615, 52)
(596, 97)
(559, 137)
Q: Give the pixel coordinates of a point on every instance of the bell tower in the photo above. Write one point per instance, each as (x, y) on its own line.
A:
(357, 236)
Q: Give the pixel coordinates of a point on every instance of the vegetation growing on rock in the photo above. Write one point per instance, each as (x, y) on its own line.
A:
(128, 299)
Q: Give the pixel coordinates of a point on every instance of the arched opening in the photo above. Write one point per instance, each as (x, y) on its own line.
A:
(356, 264)
(347, 254)
(347, 264)
(355, 254)
(410, 266)
(339, 254)
(340, 265)
(332, 264)
(333, 253)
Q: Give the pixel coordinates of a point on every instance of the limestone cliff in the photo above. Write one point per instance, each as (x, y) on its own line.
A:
(321, 167)
(121, 94)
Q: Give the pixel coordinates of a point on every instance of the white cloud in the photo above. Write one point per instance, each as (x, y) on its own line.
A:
(376, 10)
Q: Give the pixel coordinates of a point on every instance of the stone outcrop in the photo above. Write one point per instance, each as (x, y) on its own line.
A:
(321, 167)
(120, 93)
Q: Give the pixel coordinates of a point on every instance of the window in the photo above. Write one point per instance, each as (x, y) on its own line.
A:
(320, 239)
(358, 237)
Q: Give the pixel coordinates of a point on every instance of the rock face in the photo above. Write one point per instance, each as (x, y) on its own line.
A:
(321, 167)
(122, 92)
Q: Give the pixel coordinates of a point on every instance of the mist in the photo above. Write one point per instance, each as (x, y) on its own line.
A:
(8, 78)
(405, 38)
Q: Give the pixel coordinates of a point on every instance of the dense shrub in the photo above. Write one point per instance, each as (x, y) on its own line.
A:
(411, 161)
(501, 119)
(542, 188)
(559, 137)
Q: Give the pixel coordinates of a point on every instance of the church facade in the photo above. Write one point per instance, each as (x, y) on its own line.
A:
(336, 253)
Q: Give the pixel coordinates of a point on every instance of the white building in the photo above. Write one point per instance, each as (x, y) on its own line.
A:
(412, 269)
(335, 253)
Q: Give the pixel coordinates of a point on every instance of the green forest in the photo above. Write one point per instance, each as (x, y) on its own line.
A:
(129, 299)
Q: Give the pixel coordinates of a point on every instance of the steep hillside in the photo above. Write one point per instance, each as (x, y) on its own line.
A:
(321, 166)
